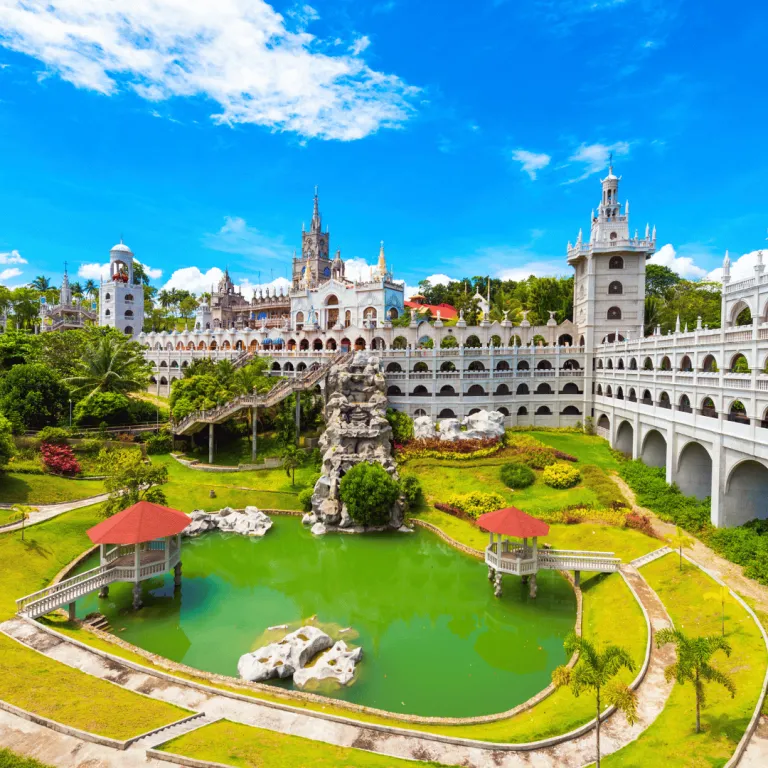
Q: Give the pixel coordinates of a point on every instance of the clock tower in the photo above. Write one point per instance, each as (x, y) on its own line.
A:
(315, 265)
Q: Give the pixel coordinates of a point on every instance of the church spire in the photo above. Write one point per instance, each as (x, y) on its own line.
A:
(317, 223)
(381, 267)
(65, 295)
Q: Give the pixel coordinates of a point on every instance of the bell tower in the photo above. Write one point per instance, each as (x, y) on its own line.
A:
(609, 282)
(315, 265)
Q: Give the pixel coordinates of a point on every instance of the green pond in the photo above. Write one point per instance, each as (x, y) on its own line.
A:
(435, 640)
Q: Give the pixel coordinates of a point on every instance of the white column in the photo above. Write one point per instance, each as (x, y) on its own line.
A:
(137, 560)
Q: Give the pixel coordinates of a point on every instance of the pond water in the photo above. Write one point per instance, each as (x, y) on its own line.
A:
(435, 640)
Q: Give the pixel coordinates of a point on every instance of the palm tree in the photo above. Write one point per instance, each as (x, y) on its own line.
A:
(595, 671)
(22, 512)
(41, 283)
(293, 458)
(692, 665)
(165, 298)
(91, 288)
(680, 542)
(109, 365)
(77, 289)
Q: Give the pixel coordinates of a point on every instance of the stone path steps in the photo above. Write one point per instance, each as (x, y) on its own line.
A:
(48, 511)
(168, 732)
(638, 562)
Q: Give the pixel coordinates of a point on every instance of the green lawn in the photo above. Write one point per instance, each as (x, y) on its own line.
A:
(247, 747)
(724, 720)
(45, 489)
(10, 759)
(588, 449)
(32, 681)
(189, 489)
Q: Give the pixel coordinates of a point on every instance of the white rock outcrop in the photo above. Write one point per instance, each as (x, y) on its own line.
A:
(423, 428)
(250, 522)
(449, 429)
(283, 658)
(483, 425)
(338, 664)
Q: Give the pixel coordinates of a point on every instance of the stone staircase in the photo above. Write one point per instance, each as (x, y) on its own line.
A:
(638, 562)
(166, 733)
(97, 621)
(285, 388)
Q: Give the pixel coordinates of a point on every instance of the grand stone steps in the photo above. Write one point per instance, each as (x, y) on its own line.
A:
(285, 388)
(638, 562)
(168, 732)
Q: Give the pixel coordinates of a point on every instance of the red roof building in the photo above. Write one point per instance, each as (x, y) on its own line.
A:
(512, 521)
(142, 522)
(416, 304)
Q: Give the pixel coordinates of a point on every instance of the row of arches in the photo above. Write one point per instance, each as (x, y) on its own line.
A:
(544, 410)
(477, 365)
(737, 363)
(393, 390)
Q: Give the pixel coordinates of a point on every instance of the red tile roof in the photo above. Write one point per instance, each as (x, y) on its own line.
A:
(512, 522)
(144, 521)
(447, 312)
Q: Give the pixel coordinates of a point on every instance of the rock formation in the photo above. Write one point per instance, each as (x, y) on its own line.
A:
(356, 430)
(283, 658)
(251, 522)
(423, 428)
(336, 664)
(479, 426)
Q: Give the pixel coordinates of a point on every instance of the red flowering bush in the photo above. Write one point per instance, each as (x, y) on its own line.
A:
(641, 523)
(59, 459)
(435, 448)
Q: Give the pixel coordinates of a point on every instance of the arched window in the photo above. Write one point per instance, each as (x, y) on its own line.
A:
(447, 391)
(394, 368)
(399, 342)
(475, 391)
(647, 364)
(544, 365)
(107, 297)
(666, 364)
(608, 391)
(614, 313)
(523, 365)
(609, 364)
(616, 262)
(685, 404)
(570, 389)
(476, 365)
(472, 341)
(633, 364)
(446, 413)
(708, 408)
(647, 398)
(739, 364)
(570, 410)
(502, 365)
(394, 391)
(632, 397)
(128, 314)
(620, 364)
(600, 389)
(544, 389)
(737, 412)
(522, 389)
(685, 364)
(129, 297)
(619, 394)
(421, 367)
(522, 411)
(664, 401)
(128, 330)
(447, 367)
(107, 313)
(393, 314)
(543, 410)
(502, 389)
(615, 287)
(299, 319)
(420, 391)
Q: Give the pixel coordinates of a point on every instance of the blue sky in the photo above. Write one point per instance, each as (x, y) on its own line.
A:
(470, 137)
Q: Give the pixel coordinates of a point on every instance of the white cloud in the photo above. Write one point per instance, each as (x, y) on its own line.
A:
(93, 271)
(9, 274)
(741, 268)
(256, 65)
(531, 162)
(236, 236)
(666, 256)
(594, 157)
(194, 280)
(12, 257)
(357, 268)
(360, 45)
(151, 272)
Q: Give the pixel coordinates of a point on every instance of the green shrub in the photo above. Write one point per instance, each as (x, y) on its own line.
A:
(305, 499)
(608, 494)
(477, 503)
(159, 443)
(54, 435)
(515, 475)
(410, 487)
(402, 425)
(369, 493)
(561, 475)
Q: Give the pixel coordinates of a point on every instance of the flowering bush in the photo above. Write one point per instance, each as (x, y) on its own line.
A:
(640, 523)
(516, 475)
(59, 459)
(434, 448)
(476, 503)
(561, 476)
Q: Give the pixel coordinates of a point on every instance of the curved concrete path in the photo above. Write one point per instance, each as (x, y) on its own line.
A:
(653, 692)
(48, 511)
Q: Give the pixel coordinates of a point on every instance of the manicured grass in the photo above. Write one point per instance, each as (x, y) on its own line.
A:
(588, 449)
(247, 747)
(32, 681)
(189, 489)
(45, 489)
(724, 719)
(626, 543)
(10, 759)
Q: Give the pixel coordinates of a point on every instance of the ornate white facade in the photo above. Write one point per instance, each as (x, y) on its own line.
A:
(675, 400)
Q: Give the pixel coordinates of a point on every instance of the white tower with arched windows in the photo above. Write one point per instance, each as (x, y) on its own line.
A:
(121, 300)
(609, 284)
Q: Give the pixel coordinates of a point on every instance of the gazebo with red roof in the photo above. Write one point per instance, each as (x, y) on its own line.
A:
(147, 539)
(505, 556)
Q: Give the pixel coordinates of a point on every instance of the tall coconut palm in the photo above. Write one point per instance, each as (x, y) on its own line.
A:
(77, 289)
(692, 665)
(91, 288)
(41, 283)
(595, 671)
(109, 365)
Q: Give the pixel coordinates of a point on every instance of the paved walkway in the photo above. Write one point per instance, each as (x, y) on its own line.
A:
(48, 511)
(615, 732)
(756, 753)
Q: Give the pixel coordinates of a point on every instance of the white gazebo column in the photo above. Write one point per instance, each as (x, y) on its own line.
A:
(136, 583)
(177, 567)
(104, 591)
